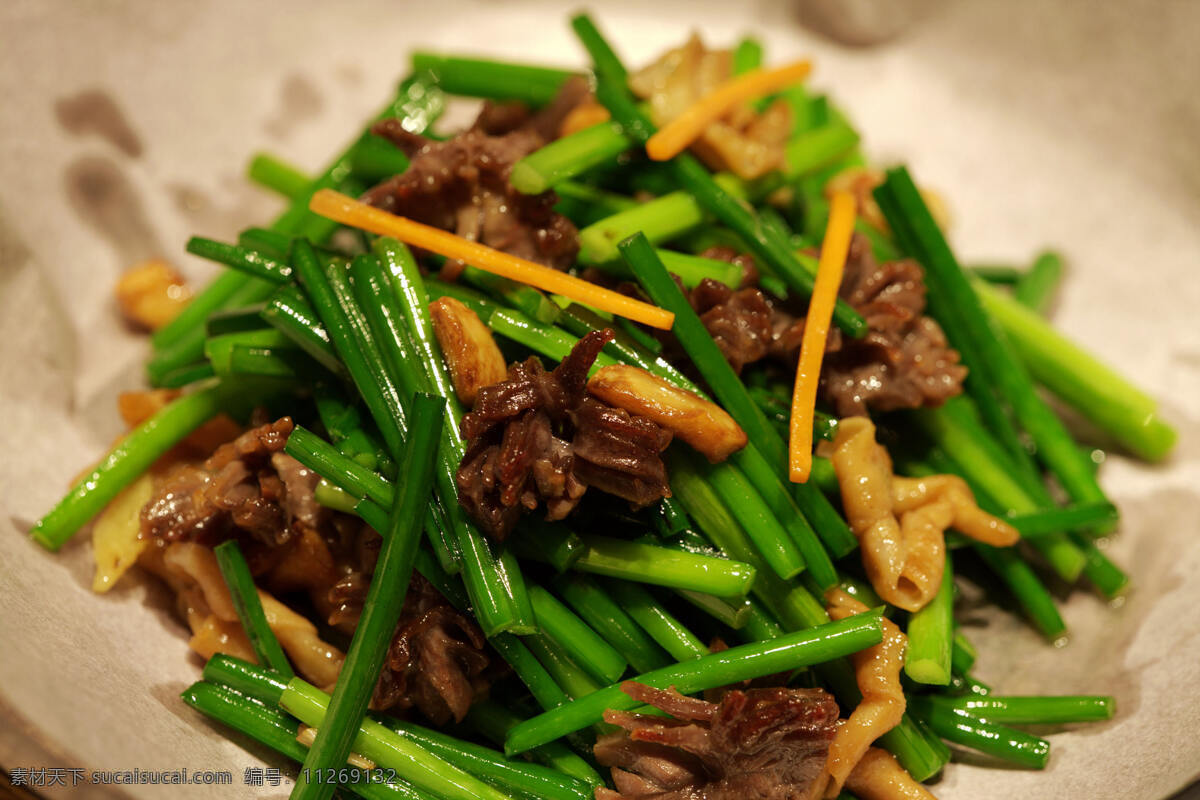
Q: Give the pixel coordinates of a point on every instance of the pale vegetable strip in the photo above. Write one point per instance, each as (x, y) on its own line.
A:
(348, 211)
(834, 249)
(674, 137)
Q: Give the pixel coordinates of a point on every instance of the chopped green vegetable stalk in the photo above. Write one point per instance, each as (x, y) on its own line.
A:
(986, 465)
(661, 220)
(493, 579)
(235, 320)
(760, 626)
(335, 497)
(187, 375)
(963, 728)
(1036, 288)
(289, 312)
(999, 274)
(245, 678)
(962, 653)
(1043, 710)
(1079, 516)
(733, 612)
(376, 159)
(813, 149)
(791, 604)
(412, 762)
(277, 175)
(545, 541)
(243, 259)
(1106, 576)
(930, 631)
(916, 747)
(773, 543)
(188, 346)
(275, 244)
(515, 295)
(385, 598)
(1032, 595)
(611, 621)
(128, 459)
(796, 509)
(567, 157)
(248, 606)
(605, 61)
(661, 566)
(331, 297)
(493, 721)
(477, 301)
(662, 626)
(519, 777)
(950, 293)
(748, 55)
(1081, 380)
(495, 80)
(275, 729)
(566, 671)
(745, 662)
(690, 269)
(585, 204)
(276, 362)
(594, 654)
(324, 459)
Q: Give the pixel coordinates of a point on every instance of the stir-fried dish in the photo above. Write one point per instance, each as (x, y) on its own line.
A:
(622, 444)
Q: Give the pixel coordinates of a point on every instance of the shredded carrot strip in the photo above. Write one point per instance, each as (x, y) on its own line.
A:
(674, 137)
(583, 116)
(348, 211)
(834, 249)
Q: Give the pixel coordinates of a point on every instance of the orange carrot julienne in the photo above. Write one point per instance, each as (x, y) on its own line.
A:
(583, 116)
(674, 137)
(348, 211)
(834, 249)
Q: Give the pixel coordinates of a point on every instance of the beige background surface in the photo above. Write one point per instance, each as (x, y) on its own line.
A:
(1072, 123)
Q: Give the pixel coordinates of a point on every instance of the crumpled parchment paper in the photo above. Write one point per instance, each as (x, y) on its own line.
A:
(1071, 124)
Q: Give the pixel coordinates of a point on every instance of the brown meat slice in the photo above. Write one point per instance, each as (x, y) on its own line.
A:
(236, 490)
(251, 490)
(903, 361)
(536, 438)
(436, 660)
(461, 184)
(760, 743)
(618, 452)
(739, 321)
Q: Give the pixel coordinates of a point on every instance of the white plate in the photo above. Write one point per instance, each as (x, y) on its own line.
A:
(1072, 124)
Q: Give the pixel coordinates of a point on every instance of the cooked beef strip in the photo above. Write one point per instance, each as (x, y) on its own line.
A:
(251, 490)
(535, 437)
(760, 743)
(611, 447)
(739, 321)
(461, 184)
(436, 662)
(238, 489)
(904, 360)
